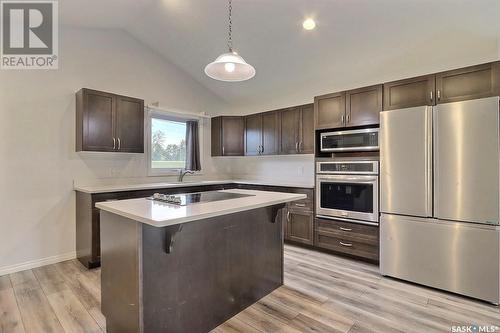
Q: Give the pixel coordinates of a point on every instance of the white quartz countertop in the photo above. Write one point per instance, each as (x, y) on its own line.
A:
(161, 214)
(149, 186)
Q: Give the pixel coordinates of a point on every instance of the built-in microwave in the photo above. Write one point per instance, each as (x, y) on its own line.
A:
(350, 140)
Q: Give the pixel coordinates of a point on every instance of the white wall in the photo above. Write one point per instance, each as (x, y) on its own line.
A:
(37, 135)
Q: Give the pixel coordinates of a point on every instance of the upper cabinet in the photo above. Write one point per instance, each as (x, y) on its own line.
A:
(109, 123)
(227, 136)
(329, 110)
(262, 134)
(363, 106)
(408, 93)
(468, 83)
(358, 107)
(297, 130)
(450, 86)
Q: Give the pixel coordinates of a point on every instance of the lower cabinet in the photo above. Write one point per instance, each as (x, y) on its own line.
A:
(354, 239)
(299, 226)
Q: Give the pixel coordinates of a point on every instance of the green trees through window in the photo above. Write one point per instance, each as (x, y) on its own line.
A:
(168, 144)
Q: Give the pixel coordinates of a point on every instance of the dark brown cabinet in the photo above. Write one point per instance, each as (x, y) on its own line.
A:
(261, 134)
(417, 91)
(468, 83)
(290, 126)
(363, 106)
(353, 239)
(299, 226)
(297, 132)
(329, 110)
(270, 133)
(227, 136)
(358, 107)
(109, 123)
(451, 86)
(253, 134)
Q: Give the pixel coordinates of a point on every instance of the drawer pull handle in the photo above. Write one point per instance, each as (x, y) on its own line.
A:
(300, 205)
(345, 229)
(345, 244)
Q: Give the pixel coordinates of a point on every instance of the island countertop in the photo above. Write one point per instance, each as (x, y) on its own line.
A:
(161, 214)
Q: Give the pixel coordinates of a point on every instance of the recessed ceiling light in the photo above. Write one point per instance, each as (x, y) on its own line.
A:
(309, 24)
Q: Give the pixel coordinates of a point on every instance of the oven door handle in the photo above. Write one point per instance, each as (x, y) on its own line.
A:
(356, 181)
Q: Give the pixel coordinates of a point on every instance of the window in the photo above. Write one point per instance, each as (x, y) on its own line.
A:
(167, 143)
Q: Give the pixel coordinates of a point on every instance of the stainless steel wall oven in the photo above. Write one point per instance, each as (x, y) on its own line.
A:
(348, 190)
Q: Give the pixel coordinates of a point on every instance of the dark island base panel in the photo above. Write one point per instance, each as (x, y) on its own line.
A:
(216, 268)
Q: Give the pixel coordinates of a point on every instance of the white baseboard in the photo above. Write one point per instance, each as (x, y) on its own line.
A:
(36, 263)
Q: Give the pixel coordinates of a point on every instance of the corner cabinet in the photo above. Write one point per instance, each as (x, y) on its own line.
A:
(108, 122)
(227, 134)
(297, 130)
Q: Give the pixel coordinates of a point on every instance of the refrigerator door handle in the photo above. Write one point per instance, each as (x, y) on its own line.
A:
(434, 161)
(429, 159)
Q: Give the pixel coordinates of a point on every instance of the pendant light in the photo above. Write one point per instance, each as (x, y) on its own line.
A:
(230, 67)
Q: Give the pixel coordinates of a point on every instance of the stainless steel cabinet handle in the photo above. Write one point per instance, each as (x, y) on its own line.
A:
(345, 229)
(345, 244)
(114, 143)
(288, 216)
(223, 151)
(432, 96)
(297, 146)
(300, 146)
(348, 118)
(300, 205)
(342, 119)
(119, 144)
(262, 149)
(439, 95)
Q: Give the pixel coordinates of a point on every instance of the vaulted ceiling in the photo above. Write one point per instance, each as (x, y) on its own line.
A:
(355, 42)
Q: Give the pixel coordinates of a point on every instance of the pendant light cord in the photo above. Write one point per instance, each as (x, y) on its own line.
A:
(230, 36)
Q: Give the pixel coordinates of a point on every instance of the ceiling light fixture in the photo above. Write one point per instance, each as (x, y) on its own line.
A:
(309, 24)
(230, 67)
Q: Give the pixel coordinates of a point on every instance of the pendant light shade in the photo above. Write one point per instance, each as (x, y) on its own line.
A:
(230, 67)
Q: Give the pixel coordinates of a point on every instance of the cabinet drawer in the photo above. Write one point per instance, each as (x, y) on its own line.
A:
(304, 204)
(354, 231)
(347, 246)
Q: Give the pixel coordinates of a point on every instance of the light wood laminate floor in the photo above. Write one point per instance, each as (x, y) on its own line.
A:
(322, 293)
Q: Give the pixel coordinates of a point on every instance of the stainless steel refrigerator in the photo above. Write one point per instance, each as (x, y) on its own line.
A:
(440, 201)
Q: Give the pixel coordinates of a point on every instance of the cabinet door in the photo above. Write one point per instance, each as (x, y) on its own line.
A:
(363, 106)
(216, 136)
(233, 136)
(97, 111)
(290, 121)
(270, 133)
(329, 110)
(129, 125)
(417, 91)
(253, 134)
(468, 83)
(299, 227)
(306, 144)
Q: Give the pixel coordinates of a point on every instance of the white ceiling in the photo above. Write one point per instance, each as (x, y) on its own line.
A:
(355, 42)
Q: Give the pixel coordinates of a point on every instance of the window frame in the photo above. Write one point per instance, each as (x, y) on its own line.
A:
(170, 116)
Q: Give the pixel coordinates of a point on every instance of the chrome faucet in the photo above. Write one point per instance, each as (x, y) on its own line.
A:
(182, 173)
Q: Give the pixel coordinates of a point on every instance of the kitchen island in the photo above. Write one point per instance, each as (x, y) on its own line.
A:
(189, 267)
